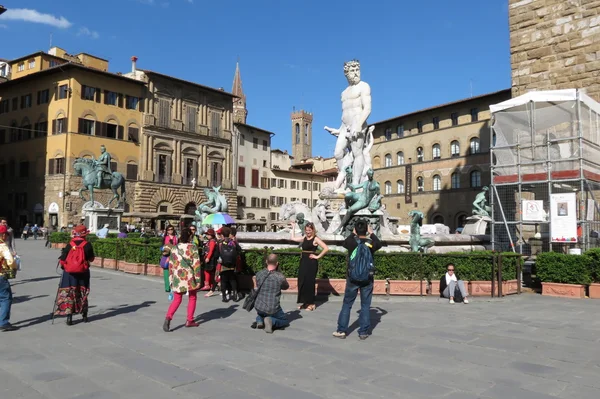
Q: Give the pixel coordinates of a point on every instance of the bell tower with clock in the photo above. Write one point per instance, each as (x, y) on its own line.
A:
(240, 112)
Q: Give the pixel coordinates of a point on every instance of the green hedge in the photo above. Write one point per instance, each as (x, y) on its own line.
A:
(553, 267)
(594, 255)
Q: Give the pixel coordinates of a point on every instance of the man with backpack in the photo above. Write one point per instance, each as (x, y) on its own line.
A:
(361, 246)
(229, 250)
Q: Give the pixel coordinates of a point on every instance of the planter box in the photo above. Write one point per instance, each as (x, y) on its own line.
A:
(293, 282)
(510, 287)
(97, 262)
(434, 287)
(595, 291)
(379, 287)
(133, 268)
(154, 270)
(58, 245)
(408, 287)
(331, 286)
(482, 288)
(110, 264)
(563, 290)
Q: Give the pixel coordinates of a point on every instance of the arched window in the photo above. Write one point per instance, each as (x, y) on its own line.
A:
(306, 133)
(420, 186)
(400, 186)
(388, 160)
(455, 148)
(438, 219)
(461, 220)
(376, 162)
(400, 131)
(297, 133)
(388, 134)
(474, 145)
(436, 151)
(400, 158)
(437, 183)
(388, 187)
(420, 156)
(476, 178)
(455, 180)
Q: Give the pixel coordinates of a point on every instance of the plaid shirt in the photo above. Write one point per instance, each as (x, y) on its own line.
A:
(269, 295)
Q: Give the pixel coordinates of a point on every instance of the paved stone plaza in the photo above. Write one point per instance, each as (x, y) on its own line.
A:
(518, 347)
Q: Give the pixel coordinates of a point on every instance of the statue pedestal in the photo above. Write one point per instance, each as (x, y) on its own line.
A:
(476, 225)
(96, 216)
(374, 219)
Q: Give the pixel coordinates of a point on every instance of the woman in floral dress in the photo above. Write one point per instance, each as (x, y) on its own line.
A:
(184, 276)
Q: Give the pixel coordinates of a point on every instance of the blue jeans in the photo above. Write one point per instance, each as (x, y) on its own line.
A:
(279, 318)
(5, 301)
(366, 294)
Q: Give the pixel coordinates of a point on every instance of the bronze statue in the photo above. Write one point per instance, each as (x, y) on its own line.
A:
(480, 205)
(369, 197)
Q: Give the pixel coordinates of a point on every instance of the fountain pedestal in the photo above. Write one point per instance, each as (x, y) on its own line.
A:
(95, 216)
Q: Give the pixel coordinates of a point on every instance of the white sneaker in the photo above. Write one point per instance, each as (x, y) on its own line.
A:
(465, 301)
(451, 301)
(339, 334)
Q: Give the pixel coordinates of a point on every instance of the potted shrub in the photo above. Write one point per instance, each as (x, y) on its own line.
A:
(564, 275)
(594, 290)
(404, 273)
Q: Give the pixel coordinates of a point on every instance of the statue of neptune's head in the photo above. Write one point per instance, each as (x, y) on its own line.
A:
(352, 71)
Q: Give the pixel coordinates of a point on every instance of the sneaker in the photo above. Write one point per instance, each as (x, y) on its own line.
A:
(451, 302)
(8, 327)
(465, 301)
(167, 325)
(191, 324)
(362, 337)
(268, 325)
(340, 335)
(256, 325)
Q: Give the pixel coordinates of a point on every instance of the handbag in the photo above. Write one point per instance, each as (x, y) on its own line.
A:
(251, 298)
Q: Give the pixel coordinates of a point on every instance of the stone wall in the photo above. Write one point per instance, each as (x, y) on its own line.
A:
(555, 44)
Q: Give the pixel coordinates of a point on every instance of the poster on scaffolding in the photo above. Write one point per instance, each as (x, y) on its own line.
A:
(563, 216)
(533, 211)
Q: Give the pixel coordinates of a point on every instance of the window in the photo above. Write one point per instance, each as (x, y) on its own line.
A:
(132, 102)
(474, 114)
(114, 166)
(4, 106)
(40, 129)
(388, 160)
(132, 171)
(255, 178)
(388, 187)
(306, 134)
(163, 208)
(254, 142)
(254, 202)
(274, 183)
(420, 155)
(26, 101)
(190, 170)
(242, 139)
(436, 122)
(133, 134)
(111, 130)
(164, 112)
(21, 66)
(25, 133)
(215, 124)
(31, 64)
(420, 127)
(474, 145)
(63, 91)
(191, 114)
(264, 183)
(476, 178)
(56, 166)
(388, 134)
(316, 187)
(53, 63)
(110, 97)
(454, 117)
(264, 203)
(43, 96)
(420, 183)
(88, 93)
(400, 187)
(297, 133)
(305, 201)
(15, 103)
(241, 200)
(265, 163)
(163, 168)
(436, 151)
(400, 131)
(304, 186)
(24, 169)
(241, 176)
(265, 144)
(437, 183)
(294, 184)
(455, 180)
(59, 126)
(455, 148)
(400, 158)
(273, 215)
(438, 219)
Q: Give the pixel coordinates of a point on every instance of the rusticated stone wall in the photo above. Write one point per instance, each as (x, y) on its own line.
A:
(555, 44)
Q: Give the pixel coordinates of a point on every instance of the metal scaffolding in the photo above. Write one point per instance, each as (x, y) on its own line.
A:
(544, 143)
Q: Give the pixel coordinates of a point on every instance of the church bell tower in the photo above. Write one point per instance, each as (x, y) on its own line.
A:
(301, 135)
(240, 112)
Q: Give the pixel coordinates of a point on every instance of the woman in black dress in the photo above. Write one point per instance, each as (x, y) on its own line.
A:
(307, 273)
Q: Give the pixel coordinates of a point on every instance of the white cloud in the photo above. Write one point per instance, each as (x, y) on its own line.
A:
(83, 31)
(27, 15)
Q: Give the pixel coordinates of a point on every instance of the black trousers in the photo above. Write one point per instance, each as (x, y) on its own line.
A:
(228, 281)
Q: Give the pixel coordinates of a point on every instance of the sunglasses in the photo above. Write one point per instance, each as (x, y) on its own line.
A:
(450, 270)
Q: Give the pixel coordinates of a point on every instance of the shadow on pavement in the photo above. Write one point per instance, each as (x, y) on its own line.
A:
(214, 314)
(375, 313)
(35, 280)
(123, 309)
(25, 298)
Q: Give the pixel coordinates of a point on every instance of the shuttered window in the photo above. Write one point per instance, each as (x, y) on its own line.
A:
(191, 123)
(133, 134)
(241, 176)
(254, 178)
(132, 171)
(215, 124)
(164, 112)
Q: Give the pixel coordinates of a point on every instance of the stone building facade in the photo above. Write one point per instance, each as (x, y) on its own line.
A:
(435, 160)
(555, 44)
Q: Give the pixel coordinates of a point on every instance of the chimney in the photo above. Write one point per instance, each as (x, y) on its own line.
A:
(133, 61)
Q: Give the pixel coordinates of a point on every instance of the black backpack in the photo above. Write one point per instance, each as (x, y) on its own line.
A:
(228, 254)
(458, 298)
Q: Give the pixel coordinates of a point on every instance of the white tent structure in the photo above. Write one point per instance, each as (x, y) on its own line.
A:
(539, 139)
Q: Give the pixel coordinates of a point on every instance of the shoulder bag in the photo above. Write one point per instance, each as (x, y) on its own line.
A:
(250, 299)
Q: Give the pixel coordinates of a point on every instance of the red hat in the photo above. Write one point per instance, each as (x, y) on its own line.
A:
(3, 229)
(210, 232)
(220, 231)
(80, 230)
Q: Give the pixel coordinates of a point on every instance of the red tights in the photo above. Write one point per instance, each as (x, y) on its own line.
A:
(177, 301)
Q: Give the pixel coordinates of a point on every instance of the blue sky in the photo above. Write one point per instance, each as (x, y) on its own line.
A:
(414, 54)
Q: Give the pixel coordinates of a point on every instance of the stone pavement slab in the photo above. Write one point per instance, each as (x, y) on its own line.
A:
(524, 347)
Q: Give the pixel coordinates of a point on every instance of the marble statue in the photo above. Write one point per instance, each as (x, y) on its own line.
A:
(352, 134)
(480, 205)
(193, 183)
(96, 174)
(320, 215)
(417, 244)
(293, 209)
(369, 197)
(215, 203)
